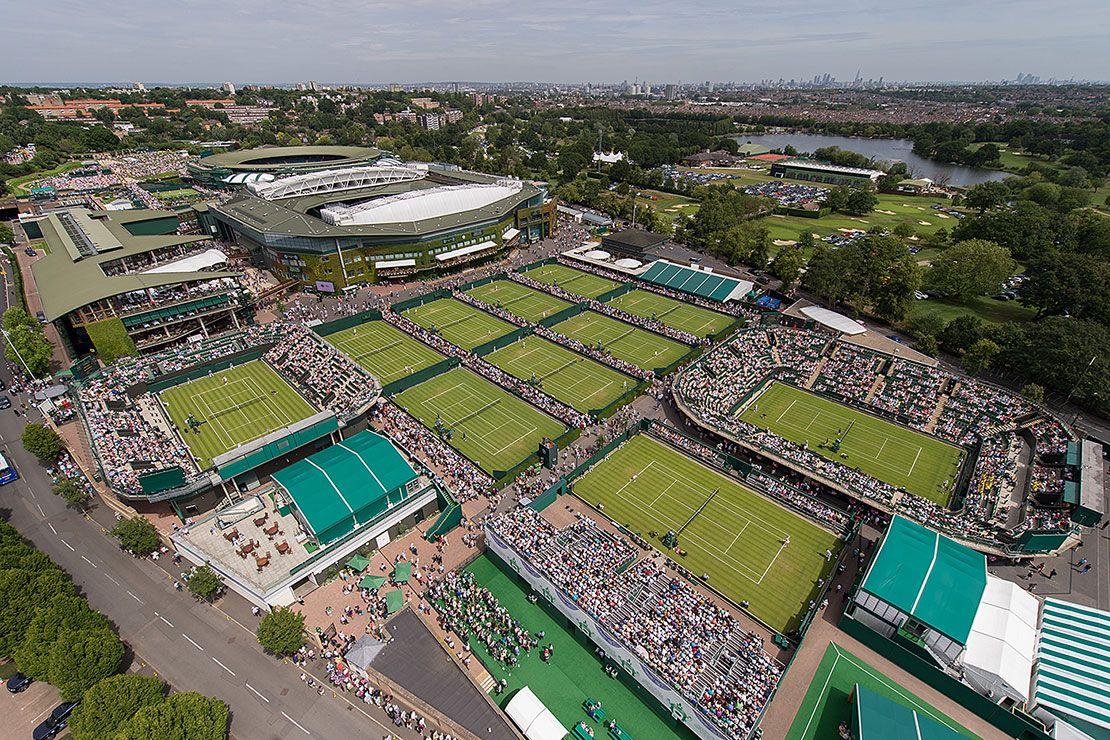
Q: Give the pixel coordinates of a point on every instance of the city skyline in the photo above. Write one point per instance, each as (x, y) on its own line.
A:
(378, 43)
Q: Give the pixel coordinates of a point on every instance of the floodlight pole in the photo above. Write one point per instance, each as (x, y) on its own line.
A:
(17, 354)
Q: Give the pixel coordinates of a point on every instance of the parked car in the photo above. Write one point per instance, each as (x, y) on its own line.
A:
(29, 252)
(18, 683)
(5, 403)
(56, 722)
(40, 316)
(919, 295)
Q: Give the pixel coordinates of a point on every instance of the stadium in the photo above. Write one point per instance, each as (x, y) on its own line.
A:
(237, 168)
(338, 226)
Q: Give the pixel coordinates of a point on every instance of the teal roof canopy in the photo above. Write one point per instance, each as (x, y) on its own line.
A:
(879, 718)
(931, 577)
(347, 485)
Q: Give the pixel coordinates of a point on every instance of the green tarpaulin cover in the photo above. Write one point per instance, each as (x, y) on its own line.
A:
(371, 582)
(402, 572)
(394, 600)
(358, 563)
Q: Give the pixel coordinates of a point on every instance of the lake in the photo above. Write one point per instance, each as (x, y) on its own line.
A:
(882, 149)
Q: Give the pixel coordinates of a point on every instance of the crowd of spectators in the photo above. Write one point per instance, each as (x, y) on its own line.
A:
(326, 376)
(686, 639)
(474, 614)
(956, 409)
(462, 477)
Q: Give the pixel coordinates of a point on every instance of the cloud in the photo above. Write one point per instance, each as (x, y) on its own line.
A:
(574, 40)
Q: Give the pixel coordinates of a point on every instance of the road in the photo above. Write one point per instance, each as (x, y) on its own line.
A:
(192, 646)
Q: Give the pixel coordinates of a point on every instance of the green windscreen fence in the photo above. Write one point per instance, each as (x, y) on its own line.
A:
(567, 313)
(162, 480)
(184, 376)
(346, 322)
(1042, 541)
(688, 357)
(504, 341)
(616, 292)
(627, 397)
(401, 384)
(545, 499)
(420, 300)
(481, 281)
(277, 448)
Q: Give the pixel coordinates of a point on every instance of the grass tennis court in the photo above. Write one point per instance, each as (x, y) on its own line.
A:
(827, 702)
(459, 323)
(925, 466)
(519, 300)
(574, 672)
(383, 350)
(232, 407)
(577, 381)
(732, 533)
(678, 315)
(642, 348)
(489, 425)
(576, 281)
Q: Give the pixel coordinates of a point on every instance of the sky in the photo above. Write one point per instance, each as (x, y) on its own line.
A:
(286, 41)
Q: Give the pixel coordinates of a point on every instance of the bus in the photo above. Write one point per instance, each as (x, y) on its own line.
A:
(7, 472)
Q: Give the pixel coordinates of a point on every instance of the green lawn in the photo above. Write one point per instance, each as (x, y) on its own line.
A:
(484, 422)
(577, 282)
(827, 703)
(519, 300)
(383, 350)
(738, 539)
(642, 348)
(574, 379)
(459, 323)
(900, 208)
(924, 465)
(668, 205)
(682, 316)
(983, 307)
(232, 407)
(574, 672)
(16, 184)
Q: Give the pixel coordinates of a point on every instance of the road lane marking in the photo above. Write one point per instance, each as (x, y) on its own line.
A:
(260, 696)
(41, 511)
(89, 562)
(67, 545)
(198, 647)
(295, 722)
(133, 596)
(221, 665)
(113, 580)
(52, 528)
(166, 621)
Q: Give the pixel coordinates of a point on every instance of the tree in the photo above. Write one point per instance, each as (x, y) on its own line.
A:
(60, 615)
(1068, 282)
(986, 195)
(979, 356)
(861, 201)
(22, 593)
(787, 265)
(27, 346)
(927, 345)
(970, 268)
(282, 631)
(925, 324)
(903, 230)
(73, 492)
(1033, 393)
(892, 296)
(111, 703)
(183, 716)
(16, 316)
(204, 582)
(137, 535)
(42, 442)
(81, 658)
(961, 332)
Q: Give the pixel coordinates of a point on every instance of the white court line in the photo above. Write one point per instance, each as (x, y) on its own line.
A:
(788, 409)
(914, 464)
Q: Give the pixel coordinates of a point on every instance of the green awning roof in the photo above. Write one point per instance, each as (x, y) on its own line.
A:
(878, 718)
(402, 572)
(1072, 676)
(348, 484)
(358, 563)
(372, 582)
(936, 580)
(394, 600)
